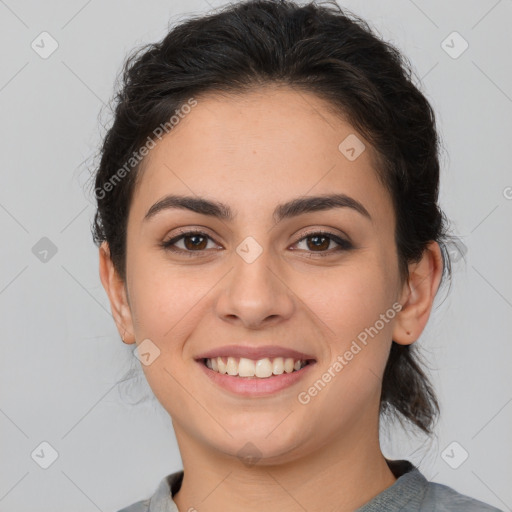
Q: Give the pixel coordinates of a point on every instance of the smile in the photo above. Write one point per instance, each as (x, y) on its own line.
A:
(248, 377)
(261, 368)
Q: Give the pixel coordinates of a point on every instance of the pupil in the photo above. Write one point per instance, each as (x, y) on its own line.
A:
(194, 244)
(317, 238)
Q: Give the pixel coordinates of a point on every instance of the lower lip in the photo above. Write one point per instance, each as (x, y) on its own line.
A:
(256, 386)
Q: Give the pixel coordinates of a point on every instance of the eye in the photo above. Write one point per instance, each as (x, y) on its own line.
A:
(197, 241)
(322, 240)
(194, 242)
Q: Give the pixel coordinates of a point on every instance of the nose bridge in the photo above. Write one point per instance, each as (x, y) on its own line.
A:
(254, 290)
(252, 264)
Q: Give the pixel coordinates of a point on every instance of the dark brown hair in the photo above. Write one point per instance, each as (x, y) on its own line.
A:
(317, 48)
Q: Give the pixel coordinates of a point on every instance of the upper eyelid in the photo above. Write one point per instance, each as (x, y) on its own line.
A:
(326, 231)
(322, 231)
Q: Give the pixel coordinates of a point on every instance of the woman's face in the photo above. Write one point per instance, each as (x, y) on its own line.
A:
(264, 279)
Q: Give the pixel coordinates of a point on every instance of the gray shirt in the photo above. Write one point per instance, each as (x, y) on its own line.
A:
(411, 492)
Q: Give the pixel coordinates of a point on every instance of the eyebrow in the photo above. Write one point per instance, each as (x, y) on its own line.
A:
(293, 208)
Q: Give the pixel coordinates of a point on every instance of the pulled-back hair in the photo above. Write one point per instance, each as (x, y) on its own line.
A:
(315, 48)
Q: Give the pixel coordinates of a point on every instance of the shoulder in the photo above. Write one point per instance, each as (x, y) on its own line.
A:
(161, 500)
(441, 498)
(139, 506)
(412, 491)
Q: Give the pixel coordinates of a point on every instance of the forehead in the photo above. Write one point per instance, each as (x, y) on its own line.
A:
(257, 149)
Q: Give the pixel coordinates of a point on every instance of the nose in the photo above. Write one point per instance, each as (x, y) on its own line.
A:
(254, 294)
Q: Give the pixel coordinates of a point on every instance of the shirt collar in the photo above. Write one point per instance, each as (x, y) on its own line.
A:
(162, 500)
(408, 490)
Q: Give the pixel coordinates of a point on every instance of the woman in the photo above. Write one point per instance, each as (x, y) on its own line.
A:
(271, 242)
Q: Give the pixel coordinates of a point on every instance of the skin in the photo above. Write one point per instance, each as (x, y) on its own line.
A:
(253, 152)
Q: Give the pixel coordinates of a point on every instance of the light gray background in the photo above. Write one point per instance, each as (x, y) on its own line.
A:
(61, 354)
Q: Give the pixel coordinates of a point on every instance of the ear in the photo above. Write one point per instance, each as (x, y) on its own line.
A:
(418, 295)
(116, 291)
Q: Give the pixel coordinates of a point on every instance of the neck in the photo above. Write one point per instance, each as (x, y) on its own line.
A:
(342, 475)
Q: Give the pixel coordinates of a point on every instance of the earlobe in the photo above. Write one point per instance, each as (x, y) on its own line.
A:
(418, 295)
(116, 292)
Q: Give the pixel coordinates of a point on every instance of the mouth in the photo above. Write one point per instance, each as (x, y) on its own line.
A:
(249, 378)
(246, 368)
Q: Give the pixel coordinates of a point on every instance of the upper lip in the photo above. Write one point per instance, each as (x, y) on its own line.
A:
(255, 353)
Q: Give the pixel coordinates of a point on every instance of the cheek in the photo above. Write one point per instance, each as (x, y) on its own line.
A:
(169, 300)
(355, 307)
(348, 299)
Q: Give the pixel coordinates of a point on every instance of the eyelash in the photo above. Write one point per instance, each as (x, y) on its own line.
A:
(345, 245)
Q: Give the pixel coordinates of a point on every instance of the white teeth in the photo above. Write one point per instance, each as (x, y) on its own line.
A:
(231, 366)
(221, 365)
(245, 367)
(288, 365)
(261, 368)
(278, 367)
